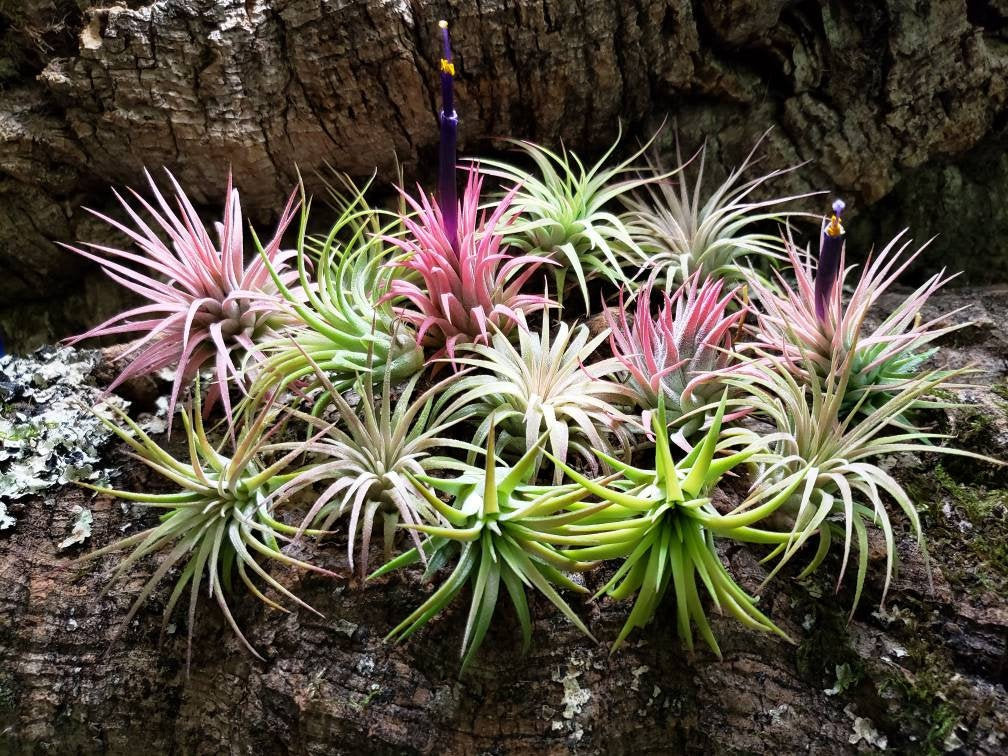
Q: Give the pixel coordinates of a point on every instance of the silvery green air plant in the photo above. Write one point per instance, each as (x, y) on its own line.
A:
(447, 193)
(830, 258)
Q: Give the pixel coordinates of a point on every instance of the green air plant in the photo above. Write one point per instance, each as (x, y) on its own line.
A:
(342, 325)
(820, 472)
(566, 212)
(680, 231)
(217, 523)
(662, 524)
(500, 531)
(544, 385)
(811, 328)
(366, 460)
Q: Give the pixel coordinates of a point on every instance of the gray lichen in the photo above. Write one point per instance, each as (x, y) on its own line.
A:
(49, 436)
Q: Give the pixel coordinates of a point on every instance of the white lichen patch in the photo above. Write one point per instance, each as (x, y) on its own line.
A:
(575, 698)
(637, 673)
(81, 528)
(48, 434)
(845, 677)
(864, 731)
(780, 715)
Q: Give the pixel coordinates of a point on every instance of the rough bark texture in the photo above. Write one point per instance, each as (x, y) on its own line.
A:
(925, 674)
(901, 98)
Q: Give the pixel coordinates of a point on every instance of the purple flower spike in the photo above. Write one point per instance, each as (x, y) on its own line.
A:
(447, 191)
(830, 259)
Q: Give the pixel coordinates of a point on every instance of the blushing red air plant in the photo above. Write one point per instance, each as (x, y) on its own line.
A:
(678, 353)
(206, 305)
(463, 292)
(808, 324)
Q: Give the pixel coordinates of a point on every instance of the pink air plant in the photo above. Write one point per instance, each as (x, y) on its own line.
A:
(814, 328)
(205, 305)
(679, 353)
(463, 293)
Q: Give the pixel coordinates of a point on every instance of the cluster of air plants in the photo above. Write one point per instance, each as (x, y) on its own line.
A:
(412, 370)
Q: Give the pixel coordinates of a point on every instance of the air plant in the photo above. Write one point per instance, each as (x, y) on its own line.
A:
(662, 524)
(811, 328)
(821, 471)
(500, 531)
(467, 282)
(680, 231)
(206, 306)
(217, 523)
(366, 464)
(678, 357)
(543, 385)
(468, 287)
(566, 212)
(342, 325)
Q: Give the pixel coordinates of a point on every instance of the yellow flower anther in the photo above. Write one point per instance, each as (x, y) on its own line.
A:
(447, 67)
(834, 228)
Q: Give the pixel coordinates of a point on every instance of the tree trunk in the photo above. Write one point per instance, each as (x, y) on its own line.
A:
(900, 98)
(927, 673)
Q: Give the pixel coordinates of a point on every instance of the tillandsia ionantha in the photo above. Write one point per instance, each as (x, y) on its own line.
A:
(341, 323)
(543, 385)
(810, 327)
(500, 530)
(821, 469)
(662, 524)
(366, 464)
(468, 281)
(217, 523)
(470, 286)
(566, 212)
(680, 231)
(206, 305)
(679, 356)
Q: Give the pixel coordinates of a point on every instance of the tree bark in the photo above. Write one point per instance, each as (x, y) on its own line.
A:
(870, 93)
(925, 674)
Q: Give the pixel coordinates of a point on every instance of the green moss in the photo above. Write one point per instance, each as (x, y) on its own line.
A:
(924, 708)
(970, 553)
(827, 649)
(8, 696)
(22, 432)
(367, 698)
(976, 424)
